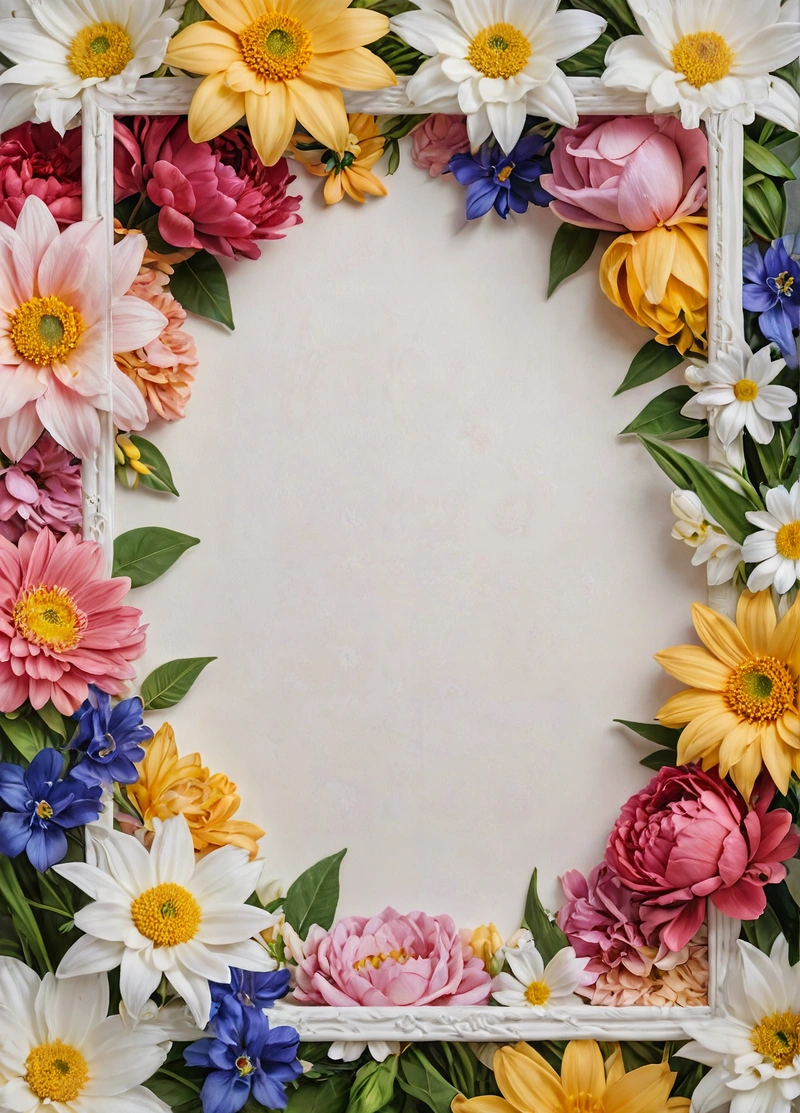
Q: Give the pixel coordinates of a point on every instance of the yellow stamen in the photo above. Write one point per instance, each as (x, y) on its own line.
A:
(784, 283)
(583, 1103)
(702, 58)
(244, 1066)
(375, 961)
(45, 330)
(499, 51)
(777, 1038)
(745, 390)
(44, 810)
(537, 993)
(787, 541)
(276, 46)
(50, 617)
(168, 914)
(761, 690)
(506, 172)
(101, 50)
(56, 1072)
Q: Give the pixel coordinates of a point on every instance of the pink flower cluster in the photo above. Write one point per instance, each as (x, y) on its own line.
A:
(42, 491)
(436, 140)
(35, 161)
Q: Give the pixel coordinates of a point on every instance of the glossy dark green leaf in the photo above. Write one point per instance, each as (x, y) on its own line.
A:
(654, 732)
(662, 417)
(27, 736)
(764, 209)
(169, 683)
(329, 1096)
(201, 287)
(650, 363)
(423, 1082)
(161, 478)
(373, 1086)
(54, 720)
(547, 935)
(145, 554)
(658, 760)
(314, 896)
(766, 161)
(572, 247)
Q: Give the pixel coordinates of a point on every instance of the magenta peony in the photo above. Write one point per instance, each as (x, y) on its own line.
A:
(36, 161)
(62, 623)
(391, 960)
(217, 198)
(601, 921)
(436, 140)
(42, 491)
(689, 836)
(627, 173)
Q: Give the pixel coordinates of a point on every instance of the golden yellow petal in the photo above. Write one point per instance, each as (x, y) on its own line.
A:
(242, 79)
(696, 666)
(334, 189)
(703, 732)
(272, 121)
(320, 109)
(719, 634)
(776, 756)
(313, 13)
(236, 14)
(529, 1083)
(745, 773)
(614, 259)
(652, 261)
(644, 1090)
(789, 729)
(214, 109)
(530, 1053)
(204, 48)
(679, 1105)
(785, 642)
(690, 265)
(351, 189)
(680, 709)
(582, 1071)
(615, 1066)
(734, 746)
(365, 181)
(756, 619)
(358, 69)
(355, 27)
(485, 1104)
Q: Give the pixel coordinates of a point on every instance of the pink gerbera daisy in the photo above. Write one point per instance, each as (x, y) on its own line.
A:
(53, 366)
(62, 623)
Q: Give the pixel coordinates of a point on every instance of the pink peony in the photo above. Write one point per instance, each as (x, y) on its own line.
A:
(62, 623)
(627, 173)
(436, 140)
(391, 960)
(689, 836)
(36, 161)
(217, 198)
(42, 491)
(601, 921)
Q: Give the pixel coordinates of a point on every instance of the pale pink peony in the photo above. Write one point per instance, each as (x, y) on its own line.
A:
(686, 984)
(62, 623)
(436, 140)
(391, 960)
(627, 173)
(689, 836)
(42, 491)
(36, 161)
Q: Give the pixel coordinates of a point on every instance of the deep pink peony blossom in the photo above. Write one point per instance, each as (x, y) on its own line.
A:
(628, 173)
(62, 623)
(42, 491)
(36, 161)
(391, 960)
(217, 198)
(601, 921)
(436, 140)
(689, 836)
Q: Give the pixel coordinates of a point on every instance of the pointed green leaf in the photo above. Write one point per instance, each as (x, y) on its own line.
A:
(161, 477)
(423, 1082)
(654, 732)
(314, 896)
(201, 287)
(27, 736)
(572, 247)
(766, 161)
(328, 1096)
(650, 363)
(373, 1086)
(52, 718)
(662, 417)
(658, 760)
(547, 935)
(145, 554)
(168, 684)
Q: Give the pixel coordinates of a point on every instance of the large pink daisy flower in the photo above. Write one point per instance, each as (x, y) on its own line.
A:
(62, 623)
(53, 367)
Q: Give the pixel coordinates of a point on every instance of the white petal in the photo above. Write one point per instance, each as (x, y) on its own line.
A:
(555, 101)
(507, 122)
(138, 979)
(70, 1009)
(195, 992)
(90, 956)
(568, 33)
(431, 33)
(227, 876)
(172, 852)
(526, 964)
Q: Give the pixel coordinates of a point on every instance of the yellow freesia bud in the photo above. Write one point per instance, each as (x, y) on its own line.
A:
(141, 468)
(660, 279)
(129, 449)
(486, 941)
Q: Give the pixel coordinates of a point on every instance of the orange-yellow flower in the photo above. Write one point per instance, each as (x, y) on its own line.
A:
(348, 170)
(169, 785)
(660, 279)
(277, 64)
(741, 711)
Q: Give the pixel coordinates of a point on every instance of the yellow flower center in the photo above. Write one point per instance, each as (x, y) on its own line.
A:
(499, 51)
(244, 1066)
(761, 690)
(100, 50)
(49, 616)
(583, 1103)
(44, 810)
(375, 961)
(777, 1037)
(56, 1072)
(745, 390)
(506, 172)
(787, 541)
(168, 914)
(276, 46)
(784, 283)
(702, 58)
(537, 993)
(45, 330)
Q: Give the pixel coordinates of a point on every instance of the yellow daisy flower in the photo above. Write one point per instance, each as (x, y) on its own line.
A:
(349, 171)
(741, 712)
(277, 64)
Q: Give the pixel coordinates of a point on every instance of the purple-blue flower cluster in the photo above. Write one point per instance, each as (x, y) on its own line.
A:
(504, 182)
(110, 739)
(772, 290)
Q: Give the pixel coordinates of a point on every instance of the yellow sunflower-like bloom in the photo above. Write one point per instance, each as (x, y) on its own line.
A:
(277, 64)
(169, 785)
(741, 711)
(530, 1085)
(660, 279)
(348, 171)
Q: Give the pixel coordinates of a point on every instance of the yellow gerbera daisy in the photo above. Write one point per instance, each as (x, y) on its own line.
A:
(349, 170)
(530, 1085)
(741, 711)
(277, 64)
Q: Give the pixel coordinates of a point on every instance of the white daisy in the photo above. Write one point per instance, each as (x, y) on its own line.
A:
(712, 545)
(495, 61)
(531, 984)
(701, 58)
(754, 1051)
(775, 547)
(60, 1051)
(162, 914)
(61, 49)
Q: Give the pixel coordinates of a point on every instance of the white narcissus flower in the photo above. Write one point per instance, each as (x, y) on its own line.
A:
(164, 915)
(702, 58)
(59, 1050)
(65, 47)
(531, 984)
(712, 545)
(775, 547)
(754, 1050)
(496, 61)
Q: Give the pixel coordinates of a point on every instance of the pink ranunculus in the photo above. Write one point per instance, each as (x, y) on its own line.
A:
(628, 173)
(688, 837)
(436, 140)
(35, 161)
(42, 491)
(601, 921)
(391, 959)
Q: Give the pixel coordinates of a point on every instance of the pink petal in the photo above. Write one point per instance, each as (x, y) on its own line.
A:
(20, 431)
(135, 323)
(37, 228)
(651, 185)
(71, 419)
(18, 386)
(126, 260)
(130, 409)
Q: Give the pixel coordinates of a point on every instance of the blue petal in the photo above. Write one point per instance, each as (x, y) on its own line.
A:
(196, 1054)
(282, 1044)
(753, 264)
(776, 326)
(518, 203)
(47, 766)
(224, 1092)
(46, 847)
(82, 811)
(501, 203)
(15, 830)
(526, 148)
(12, 787)
(758, 297)
(268, 1092)
(480, 198)
(466, 170)
(282, 1072)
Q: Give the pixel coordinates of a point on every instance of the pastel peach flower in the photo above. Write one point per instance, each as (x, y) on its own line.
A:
(684, 985)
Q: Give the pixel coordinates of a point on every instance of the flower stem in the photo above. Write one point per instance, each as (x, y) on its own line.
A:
(179, 1078)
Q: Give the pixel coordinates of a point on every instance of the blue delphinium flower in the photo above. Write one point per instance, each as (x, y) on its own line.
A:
(253, 990)
(109, 738)
(772, 289)
(494, 179)
(245, 1056)
(40, 805)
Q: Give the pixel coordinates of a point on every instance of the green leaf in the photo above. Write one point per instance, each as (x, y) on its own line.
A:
(547, 935)
(145, 554)
(161, 478)
(764, 160)
(590, 62)
(658, 760)
(201, 287)
(373, 1086)
(650, 363)
(764, 209)
(192, 13)
(763, 932)
(617, 12)
(654, 732)
(423, 1082)
(168, 684)
(662, 417)
(314, 896)
(572, 247)
(330, 1096)
(54, 720)
(27, 736)
(172, 1092)
(22, 915)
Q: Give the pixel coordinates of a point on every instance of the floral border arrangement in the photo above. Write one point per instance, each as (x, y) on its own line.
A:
(139, 960)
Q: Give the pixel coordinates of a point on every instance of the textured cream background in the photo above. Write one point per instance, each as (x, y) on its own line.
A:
(431, 572)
